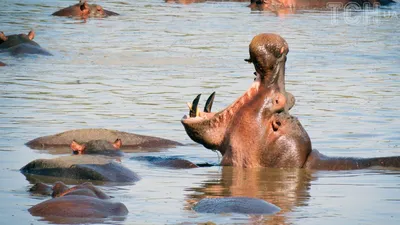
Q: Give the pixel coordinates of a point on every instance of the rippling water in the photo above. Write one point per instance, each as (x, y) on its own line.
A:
(136, 71)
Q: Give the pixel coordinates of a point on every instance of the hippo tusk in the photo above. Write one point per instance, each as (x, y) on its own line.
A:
(193, 109)
(209, 103)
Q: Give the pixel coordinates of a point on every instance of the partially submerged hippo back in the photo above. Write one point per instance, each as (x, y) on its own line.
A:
(131, 141)
(21, 44)
(242, 205)
(84, 10)
(100, 147)
(2, 64)
(81, 167)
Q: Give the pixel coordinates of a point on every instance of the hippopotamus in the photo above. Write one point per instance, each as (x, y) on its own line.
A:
(21, 44)
(84, 10)
(98, 147)
(257, 131)
(2, 64)
(80, 167)
(132, 142)
(243, 205)
(169, 162)
(276, 5)
(81, 201)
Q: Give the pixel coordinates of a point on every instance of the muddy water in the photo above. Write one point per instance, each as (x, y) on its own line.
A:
(135, 72)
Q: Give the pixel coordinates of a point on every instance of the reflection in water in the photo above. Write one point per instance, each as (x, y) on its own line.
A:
(286, 188)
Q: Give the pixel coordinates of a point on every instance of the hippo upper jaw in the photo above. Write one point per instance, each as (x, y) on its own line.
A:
(210, 129)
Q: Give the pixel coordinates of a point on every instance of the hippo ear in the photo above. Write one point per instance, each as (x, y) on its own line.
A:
(84, 6)
(3, 37)
(31, 35)
(117, 144)
(77, 148)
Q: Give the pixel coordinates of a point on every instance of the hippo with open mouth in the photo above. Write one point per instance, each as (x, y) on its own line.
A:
(256, 130)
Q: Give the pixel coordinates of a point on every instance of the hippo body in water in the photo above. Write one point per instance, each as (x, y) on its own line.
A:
(242, 205)
(98, 147)
(81, 201)
(18, 44)
(80, 167)
(2, 64)
(257, 131)
(84, 10)
(131, 142)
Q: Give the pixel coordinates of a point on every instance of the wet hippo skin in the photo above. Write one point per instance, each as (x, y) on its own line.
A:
(81, 201)
(18, 44)
(168, 162)
(130, 141)
(84, 10)
(243, 205)
(98, 147)
(81, 167)
(256, 131)
(2, 64)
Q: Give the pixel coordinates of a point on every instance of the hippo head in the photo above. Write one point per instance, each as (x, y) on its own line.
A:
(91, 10)
(84, 10)
(256, 129)
(15, 39)
(96, 146)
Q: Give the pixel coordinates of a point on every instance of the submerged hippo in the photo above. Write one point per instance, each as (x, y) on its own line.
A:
(256, 131)
(80, 167)
(98, 147)
(2, 64)
(276, 5)
(21, 44)
(169, 162)
(81, 201)
(243, 205)
(84, 10)
(132, 142)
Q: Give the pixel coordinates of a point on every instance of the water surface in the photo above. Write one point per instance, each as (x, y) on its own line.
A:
(135, 72)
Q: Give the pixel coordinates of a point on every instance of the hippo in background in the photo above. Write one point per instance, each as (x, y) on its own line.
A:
(84, 10)
(257, 131)
(98, 147)
(18, 44)
(83, 201)
(278, 5)
(60, 143)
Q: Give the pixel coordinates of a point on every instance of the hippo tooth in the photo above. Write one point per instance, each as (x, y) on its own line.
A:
(209, 103)
(194, 109)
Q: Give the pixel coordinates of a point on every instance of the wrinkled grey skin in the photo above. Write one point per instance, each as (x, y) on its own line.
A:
(241, 205)
(81, 167)
(130, 141)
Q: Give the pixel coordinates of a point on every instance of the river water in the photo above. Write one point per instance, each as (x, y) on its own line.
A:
(135, 72)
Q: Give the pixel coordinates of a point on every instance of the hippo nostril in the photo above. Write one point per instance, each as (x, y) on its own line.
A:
(276, 125)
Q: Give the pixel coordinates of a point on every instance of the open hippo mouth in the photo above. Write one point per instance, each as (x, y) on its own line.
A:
(209, 128)
(243, 126)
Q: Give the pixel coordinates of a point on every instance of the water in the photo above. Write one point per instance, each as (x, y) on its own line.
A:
(135, 73)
